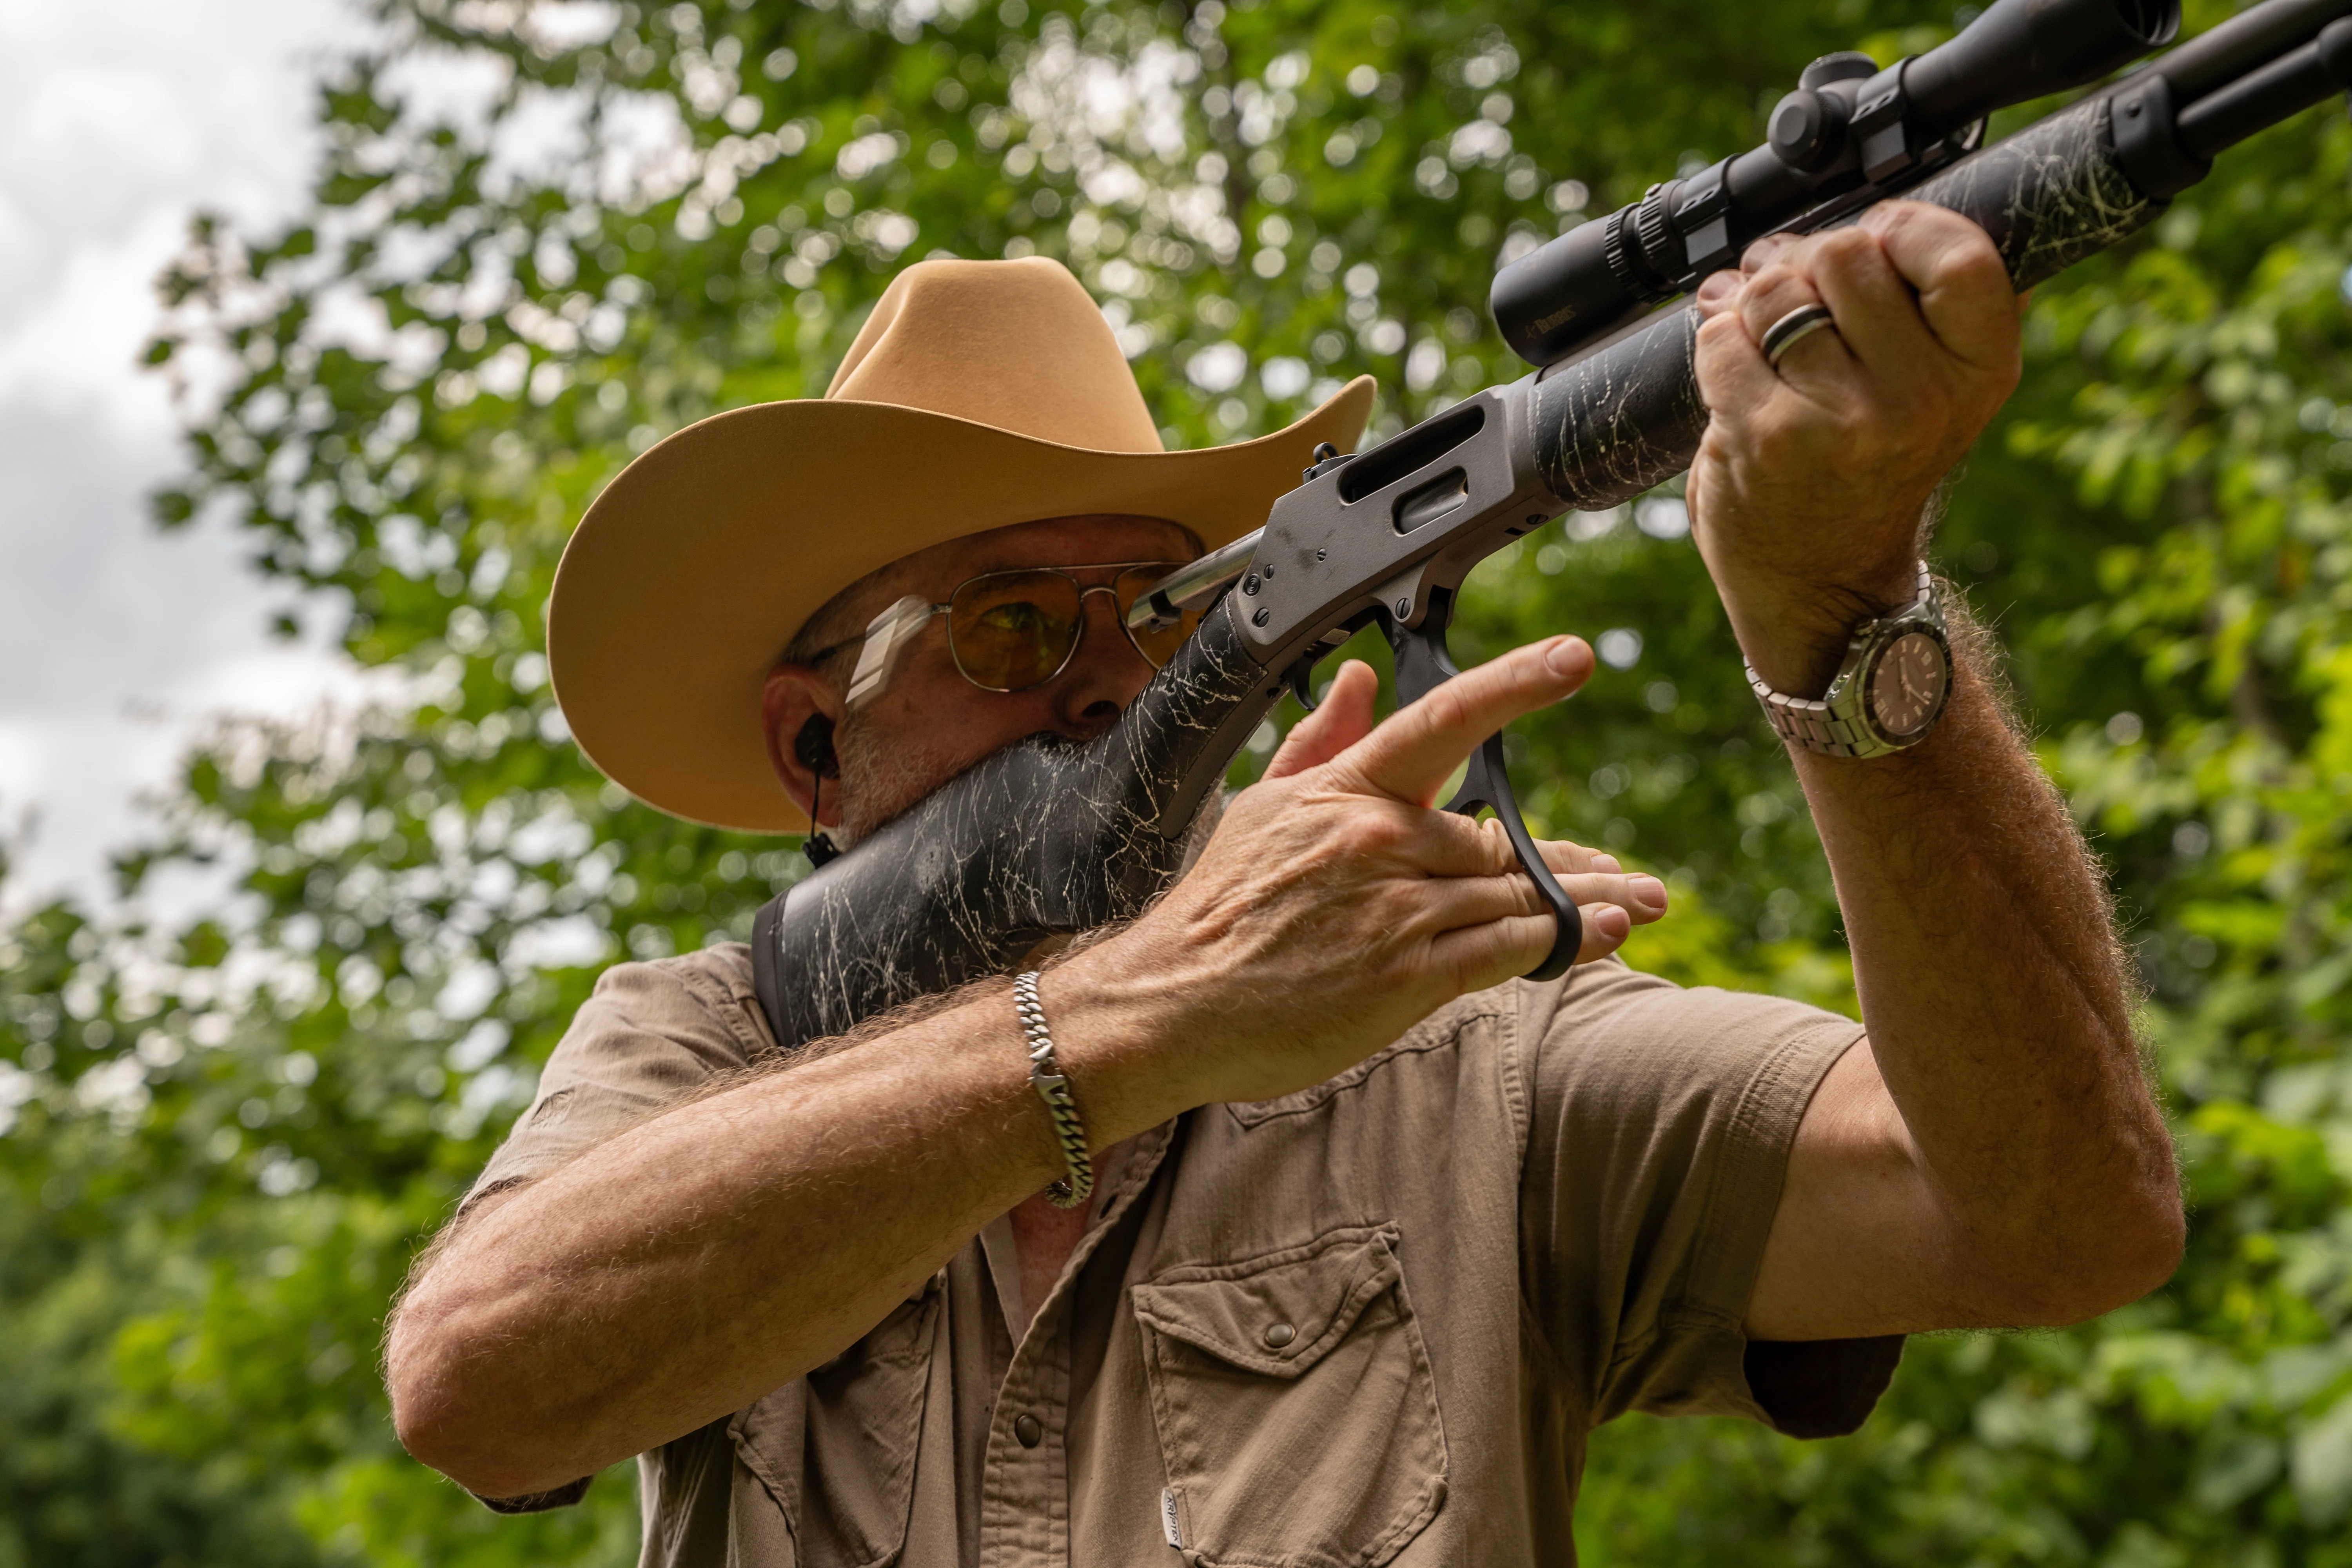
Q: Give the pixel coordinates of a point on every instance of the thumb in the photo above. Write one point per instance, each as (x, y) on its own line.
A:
(1343, 717)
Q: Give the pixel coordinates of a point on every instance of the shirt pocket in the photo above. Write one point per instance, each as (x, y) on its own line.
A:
(835, 1450)
(1296, 1412)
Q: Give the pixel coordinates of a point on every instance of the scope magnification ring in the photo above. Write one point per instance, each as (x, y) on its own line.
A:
(1659, 243)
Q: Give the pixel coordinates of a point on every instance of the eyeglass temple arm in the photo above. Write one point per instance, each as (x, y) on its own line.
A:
(887, 637)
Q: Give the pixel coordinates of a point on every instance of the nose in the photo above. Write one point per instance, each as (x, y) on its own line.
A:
(1105, 674)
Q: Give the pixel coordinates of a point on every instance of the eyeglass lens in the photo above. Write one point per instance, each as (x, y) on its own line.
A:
(1012, 630)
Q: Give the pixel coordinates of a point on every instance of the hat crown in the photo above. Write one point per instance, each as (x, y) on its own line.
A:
(1015, 345)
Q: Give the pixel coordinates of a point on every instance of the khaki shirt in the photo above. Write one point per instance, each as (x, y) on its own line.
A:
(1368, 1322)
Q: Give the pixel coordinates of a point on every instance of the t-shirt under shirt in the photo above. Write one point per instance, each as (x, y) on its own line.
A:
(1373, 1322)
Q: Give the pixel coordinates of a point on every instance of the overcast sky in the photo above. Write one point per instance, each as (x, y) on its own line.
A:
(118, 119)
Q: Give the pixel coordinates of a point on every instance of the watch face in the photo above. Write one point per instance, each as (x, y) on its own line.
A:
(1907, 688)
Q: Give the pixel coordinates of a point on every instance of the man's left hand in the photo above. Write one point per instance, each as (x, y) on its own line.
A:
(1808, 492)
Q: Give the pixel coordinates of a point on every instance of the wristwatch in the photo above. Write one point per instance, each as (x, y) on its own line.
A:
(1886, 696)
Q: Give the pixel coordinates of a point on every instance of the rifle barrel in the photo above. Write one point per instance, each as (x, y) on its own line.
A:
(2228, 51)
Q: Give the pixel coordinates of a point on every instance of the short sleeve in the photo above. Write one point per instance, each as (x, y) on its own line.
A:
(648, 1035)
(1661, 1120)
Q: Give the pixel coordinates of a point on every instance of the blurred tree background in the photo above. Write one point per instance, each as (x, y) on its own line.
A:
(546, 234)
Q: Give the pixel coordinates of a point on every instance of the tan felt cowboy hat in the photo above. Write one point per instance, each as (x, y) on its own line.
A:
(980, 394)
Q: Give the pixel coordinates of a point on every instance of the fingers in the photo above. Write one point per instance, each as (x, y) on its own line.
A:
(1773, 293)
(1641, 899)
(1343, 717)
(1964, 292)
(1594, 877)
(1718, 293)
(1477, 956)
(1565, 856)
(1409, 755)
(1877, 321)
(1907, 276)
(1877, 314)
(1609, 902)
(1454, 903)
(1604, 929)
(1441, 844)
(1733, 375)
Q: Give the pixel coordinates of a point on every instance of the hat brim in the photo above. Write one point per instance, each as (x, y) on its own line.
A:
(698, 563)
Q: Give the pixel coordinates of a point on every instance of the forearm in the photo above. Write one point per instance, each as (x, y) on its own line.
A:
(716, 1252)
(1997, 1005)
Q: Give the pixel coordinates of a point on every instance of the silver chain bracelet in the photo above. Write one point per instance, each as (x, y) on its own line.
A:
(1045, 1075)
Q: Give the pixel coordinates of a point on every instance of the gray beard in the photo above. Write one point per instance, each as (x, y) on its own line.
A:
(879, 782)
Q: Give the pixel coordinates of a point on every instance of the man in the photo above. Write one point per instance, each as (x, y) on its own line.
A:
(1377, 1233)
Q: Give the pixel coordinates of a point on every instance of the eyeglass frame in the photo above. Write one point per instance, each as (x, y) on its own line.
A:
(886, 636)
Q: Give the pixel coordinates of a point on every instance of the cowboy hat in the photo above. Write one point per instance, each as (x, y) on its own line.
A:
(980, 394)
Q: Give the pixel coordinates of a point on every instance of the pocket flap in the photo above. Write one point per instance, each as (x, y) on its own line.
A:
(1274, 1315)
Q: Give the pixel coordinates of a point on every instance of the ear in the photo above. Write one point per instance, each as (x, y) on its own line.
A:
(795, 695)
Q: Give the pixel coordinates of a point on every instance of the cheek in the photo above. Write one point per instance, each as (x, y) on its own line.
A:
(942, 715)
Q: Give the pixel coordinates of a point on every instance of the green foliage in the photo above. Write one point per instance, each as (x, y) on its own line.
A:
(223, 1141)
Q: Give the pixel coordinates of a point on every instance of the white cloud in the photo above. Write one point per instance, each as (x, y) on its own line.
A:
(119, 119)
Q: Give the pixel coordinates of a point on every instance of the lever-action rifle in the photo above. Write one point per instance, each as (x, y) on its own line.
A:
(1050, 835)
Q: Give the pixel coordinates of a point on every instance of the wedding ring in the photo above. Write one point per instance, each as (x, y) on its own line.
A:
(1801, 322)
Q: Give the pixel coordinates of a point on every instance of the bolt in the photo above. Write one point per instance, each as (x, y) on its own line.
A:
(1259, 616)
(1319, 554)
(1404, 607)
(1249, 584)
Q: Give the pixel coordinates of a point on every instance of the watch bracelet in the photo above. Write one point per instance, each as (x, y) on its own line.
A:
(1812, 723)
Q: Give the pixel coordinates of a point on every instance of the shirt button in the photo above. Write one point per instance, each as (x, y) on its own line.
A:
(1280, 1335)
(1029, 1429)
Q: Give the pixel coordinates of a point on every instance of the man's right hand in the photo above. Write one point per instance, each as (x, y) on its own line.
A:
(1334, 908)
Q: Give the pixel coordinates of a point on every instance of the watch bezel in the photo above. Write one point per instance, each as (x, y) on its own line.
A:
(1884, 637)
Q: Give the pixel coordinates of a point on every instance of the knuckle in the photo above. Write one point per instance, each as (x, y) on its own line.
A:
(1366, 836)
(1716, 329)
(1972, 257)
(1846, 245)
(1447, 707)
(1775, 279)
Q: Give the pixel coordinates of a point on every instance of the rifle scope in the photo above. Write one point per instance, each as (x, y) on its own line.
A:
(1849, 129)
